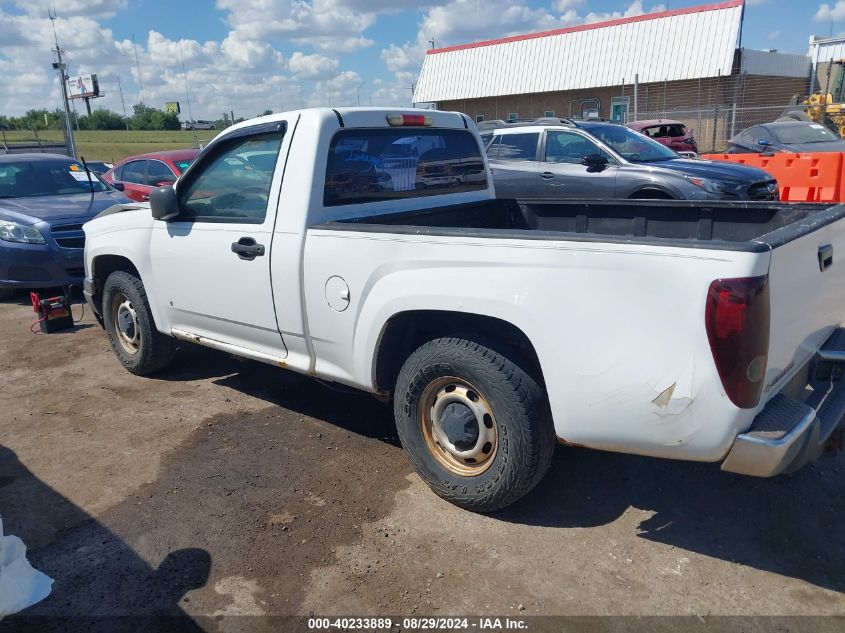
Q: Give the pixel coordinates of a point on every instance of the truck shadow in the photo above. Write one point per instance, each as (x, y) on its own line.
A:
(791, 525)
(101, 583)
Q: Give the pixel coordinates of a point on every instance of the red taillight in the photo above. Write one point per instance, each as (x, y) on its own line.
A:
(408, 119)
(737, 320)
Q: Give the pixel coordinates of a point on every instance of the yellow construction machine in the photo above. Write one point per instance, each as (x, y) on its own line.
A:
(827, 108)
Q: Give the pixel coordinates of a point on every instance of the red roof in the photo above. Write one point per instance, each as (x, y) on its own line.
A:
(730, 4)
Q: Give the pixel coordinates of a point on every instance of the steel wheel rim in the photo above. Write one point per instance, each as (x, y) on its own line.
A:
(465, 458)
(126, 324)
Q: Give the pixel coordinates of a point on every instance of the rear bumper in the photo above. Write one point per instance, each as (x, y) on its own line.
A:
(789, 433)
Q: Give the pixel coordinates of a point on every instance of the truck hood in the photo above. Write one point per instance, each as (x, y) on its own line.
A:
(78, 206)
(713, 170)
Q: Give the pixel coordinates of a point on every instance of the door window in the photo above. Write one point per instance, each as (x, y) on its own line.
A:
(159, 172)
(233, 181)
(522, 146)
(135, 172)
(569, 147)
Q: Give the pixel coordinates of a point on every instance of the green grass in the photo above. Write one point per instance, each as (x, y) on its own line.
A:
(114, 145)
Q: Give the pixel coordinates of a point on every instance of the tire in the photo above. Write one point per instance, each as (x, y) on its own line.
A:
(519, 431)
(136, 342)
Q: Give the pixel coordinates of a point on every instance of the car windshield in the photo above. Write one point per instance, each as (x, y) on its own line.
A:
(631, 145)
(810, 133)
(27, 179)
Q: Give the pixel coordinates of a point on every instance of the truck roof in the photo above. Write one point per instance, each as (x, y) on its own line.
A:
(363, 117)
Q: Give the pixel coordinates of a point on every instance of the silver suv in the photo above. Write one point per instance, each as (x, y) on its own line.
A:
(596, 159)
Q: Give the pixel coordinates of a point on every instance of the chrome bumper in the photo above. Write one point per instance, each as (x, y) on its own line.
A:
(788, 433)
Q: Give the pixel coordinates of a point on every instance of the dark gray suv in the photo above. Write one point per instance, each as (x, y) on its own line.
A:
(603, 160)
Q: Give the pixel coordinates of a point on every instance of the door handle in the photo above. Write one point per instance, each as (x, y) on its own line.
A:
(825, 257)
(547, 175)
(247, 248)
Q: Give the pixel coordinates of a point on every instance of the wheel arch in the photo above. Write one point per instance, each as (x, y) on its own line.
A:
(405, 331)
(652, 192)
(104, 265)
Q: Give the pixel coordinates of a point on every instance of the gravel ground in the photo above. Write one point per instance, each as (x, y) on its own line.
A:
(229, 488)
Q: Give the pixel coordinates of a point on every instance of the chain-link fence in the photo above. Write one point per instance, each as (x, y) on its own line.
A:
(715, 108)
(714, 127)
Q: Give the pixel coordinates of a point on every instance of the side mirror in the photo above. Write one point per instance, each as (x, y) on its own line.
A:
(594, 161)
(763, 143)
(119, 186)
(164, 204)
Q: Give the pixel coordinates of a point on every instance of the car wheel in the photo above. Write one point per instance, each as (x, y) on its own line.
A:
(136, 342)
(475, 425)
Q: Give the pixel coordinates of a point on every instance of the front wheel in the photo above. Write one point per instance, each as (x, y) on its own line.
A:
(475, 425)
(136, 342)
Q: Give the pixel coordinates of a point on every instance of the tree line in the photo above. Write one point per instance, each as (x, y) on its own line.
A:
(143, 118)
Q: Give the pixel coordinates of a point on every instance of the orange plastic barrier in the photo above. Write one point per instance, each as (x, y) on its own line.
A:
(810, 177)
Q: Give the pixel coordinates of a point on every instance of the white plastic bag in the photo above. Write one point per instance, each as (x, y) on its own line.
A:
(20, 585)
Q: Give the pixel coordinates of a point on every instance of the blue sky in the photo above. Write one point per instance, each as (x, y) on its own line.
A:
(249, 55)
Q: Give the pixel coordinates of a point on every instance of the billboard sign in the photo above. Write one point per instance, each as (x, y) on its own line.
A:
(172, 107)
(82, 86)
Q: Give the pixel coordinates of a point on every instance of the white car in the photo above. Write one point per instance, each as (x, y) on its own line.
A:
(703, 331)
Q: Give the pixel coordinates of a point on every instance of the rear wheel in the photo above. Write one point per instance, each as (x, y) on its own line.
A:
(651, 194)
(136, 342)
(475, 425)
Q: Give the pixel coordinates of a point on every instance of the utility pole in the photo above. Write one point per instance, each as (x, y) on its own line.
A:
(187, 96)
(60, 66)
(431, 41)
(413, 88)
(358, 91)
(123, 103)
(138, 66)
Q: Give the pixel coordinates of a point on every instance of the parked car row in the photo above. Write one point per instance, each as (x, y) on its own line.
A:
(592, 159)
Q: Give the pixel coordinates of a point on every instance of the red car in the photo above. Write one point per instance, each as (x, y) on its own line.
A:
(673, 134)
(136, 176)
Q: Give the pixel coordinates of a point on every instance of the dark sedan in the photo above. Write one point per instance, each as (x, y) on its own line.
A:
(786, 136)
(44, 201)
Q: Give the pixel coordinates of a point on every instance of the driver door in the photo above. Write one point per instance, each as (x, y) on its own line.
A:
(211, 264)
(562, 175)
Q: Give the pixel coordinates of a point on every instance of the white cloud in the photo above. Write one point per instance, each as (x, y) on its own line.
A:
(634, 9)
(826, 13)
(312, 66)
(773, 35)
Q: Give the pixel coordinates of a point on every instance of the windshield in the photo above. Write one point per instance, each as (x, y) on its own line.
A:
(182, 165)
(631, 145)
(27, 179)
(812, 133)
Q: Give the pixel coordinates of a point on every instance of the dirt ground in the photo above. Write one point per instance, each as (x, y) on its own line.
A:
(229, 488)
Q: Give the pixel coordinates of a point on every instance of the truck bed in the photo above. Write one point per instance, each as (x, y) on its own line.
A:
(745, 226)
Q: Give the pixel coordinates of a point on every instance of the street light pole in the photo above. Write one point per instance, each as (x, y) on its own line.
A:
(60, 66)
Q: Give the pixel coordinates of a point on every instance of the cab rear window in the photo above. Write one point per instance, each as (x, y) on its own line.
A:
(371, 165)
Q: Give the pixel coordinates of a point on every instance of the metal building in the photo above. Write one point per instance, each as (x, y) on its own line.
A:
(680, 60)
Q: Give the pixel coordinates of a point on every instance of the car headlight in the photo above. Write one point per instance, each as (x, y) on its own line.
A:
(713, 186)
(14, 232)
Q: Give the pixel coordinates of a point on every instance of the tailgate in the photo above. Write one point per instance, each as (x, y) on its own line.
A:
(807, 285)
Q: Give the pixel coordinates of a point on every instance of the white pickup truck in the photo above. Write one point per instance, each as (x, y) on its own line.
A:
(366, 247)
